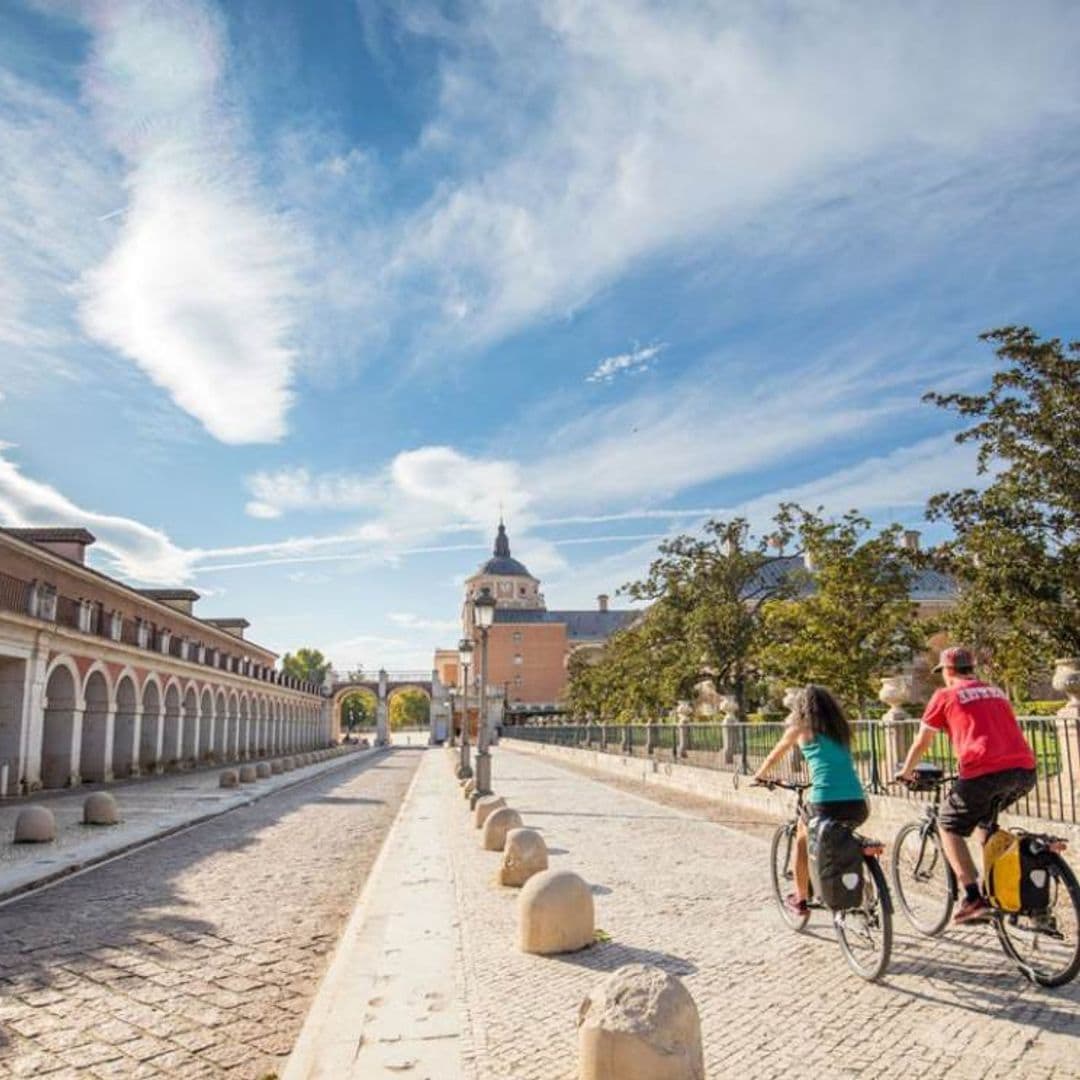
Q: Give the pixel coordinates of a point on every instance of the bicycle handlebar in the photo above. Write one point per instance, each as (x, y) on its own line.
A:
(787, 785)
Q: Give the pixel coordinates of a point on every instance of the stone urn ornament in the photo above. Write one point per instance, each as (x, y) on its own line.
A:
(896, 693)
(1067, 680)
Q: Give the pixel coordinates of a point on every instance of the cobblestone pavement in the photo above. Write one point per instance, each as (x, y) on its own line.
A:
(692, 896)
(197, 956)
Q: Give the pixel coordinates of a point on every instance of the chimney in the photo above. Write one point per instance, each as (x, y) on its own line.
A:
(182, 600)
(68, 543)
(911, 539)
(602, 601)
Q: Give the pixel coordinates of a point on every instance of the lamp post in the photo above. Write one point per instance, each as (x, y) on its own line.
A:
(450, 695)
(465, 651)
(483, 617)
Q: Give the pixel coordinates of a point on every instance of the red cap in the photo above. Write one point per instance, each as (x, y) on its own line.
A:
(956, 657)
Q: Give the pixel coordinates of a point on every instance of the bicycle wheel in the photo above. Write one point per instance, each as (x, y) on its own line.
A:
(782, 871)
(865, 932)
(1046, 947)
(921, 878)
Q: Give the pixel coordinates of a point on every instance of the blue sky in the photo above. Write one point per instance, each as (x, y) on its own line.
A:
(294, 296)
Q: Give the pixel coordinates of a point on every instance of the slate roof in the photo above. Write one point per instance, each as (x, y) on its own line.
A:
(593, 625)
(171, 594)
(53, 535)
(926, 585)
(501, 563)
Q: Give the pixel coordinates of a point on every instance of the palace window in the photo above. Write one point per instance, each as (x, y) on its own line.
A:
(517, 637)
(517, 658)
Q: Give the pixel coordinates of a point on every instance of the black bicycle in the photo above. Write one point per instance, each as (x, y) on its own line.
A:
(1044, 945)
(864, 932)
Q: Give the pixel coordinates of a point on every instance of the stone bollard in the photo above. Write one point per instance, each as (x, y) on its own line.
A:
(276, 767)
(640, 1023)
(228, 778)
(555, 914)
(35, 825)
(485, 805)
(287, 764)
(263, 770)
(100, 809)
(248, 775)
(524, 854)
(468, 787)
(499, 823)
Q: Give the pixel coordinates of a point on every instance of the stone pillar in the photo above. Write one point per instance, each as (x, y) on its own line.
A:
(896, 692)
(382, 713)
(33, 725)
(136, 740)
(1068, 741)
(730, 704)
(651, 734)
(683, 715)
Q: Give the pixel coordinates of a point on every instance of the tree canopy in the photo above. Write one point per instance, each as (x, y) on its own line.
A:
(358, 710)
(409, 708)
(307, 664)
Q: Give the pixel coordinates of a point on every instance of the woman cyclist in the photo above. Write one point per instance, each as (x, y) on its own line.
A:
(818, 727)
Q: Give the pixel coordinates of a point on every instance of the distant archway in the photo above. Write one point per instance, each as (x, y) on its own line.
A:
(95, 759)
(58, 751)
(125, 754)
(150, 737)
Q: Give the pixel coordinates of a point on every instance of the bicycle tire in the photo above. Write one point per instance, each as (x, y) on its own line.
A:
(780, 850)
(928, 927)
(1062, 870)
(870, 969)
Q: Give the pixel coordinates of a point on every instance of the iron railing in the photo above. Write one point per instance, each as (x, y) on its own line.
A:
(878, 747)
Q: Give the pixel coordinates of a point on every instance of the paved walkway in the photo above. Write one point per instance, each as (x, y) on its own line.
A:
(149, 807)
(692, 896)
(197, 956)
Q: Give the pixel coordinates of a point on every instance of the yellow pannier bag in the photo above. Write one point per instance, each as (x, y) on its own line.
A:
(1001, 870)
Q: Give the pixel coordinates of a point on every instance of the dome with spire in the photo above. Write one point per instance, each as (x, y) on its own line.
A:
(502, 564)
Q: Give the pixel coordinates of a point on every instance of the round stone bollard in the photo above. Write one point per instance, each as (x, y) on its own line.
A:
(288, 764)
(498, 824)
(555, 914)
(228, 778)
(524, 854)
(248, 775)
(100, 809)
(485, 805)
(263, 770)
(35, 825)
(276, 767)
(640, 1023)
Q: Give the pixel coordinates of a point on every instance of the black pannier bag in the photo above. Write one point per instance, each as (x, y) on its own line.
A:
(836, 864)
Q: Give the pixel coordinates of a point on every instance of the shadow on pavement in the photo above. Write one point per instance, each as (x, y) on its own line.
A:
(608, 955)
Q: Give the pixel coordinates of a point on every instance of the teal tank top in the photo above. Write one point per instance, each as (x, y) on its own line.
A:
(832, 771)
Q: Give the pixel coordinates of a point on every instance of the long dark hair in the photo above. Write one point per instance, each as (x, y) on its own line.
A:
(816, 709)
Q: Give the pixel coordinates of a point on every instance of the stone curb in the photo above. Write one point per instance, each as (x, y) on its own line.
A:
(77, 866)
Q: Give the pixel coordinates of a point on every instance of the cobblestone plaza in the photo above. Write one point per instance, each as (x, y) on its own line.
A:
(202, 954)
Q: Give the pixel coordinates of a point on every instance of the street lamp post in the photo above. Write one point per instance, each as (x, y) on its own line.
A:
(465, 651)
(483, 617)
(450, 694)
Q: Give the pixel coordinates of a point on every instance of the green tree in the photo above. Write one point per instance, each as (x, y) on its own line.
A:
(410, 708)
(358, 710)
(853, 620)
(708, 597)
(1015, 551)
(307, 664)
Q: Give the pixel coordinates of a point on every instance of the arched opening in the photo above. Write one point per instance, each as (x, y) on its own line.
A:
(276, 742)
(357, 711)
(260, 727)
(189, 746)
(206, 725)
(12, 697)
(151, 734)
(96, 744)
(221, 727)
(245, 729)
(171, 725)
(125, 756)
(409, 708)
(232, 746)
(60, 731)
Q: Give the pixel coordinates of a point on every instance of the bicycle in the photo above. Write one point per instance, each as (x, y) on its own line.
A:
(1044, 945)
(864, 933)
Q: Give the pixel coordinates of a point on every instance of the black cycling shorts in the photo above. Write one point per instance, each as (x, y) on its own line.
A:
(974, 802)
(851, 812)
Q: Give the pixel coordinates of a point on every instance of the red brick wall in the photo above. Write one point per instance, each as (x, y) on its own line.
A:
(542, 648)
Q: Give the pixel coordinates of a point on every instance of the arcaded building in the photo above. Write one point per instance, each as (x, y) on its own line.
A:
(529, 646)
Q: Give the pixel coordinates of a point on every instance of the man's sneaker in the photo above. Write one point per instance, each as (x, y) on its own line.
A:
(796, 907)
(972, 911)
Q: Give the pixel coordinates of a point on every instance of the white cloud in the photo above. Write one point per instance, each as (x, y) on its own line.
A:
(411, 621)
(134, 551)
(201, 286)
(637, 360)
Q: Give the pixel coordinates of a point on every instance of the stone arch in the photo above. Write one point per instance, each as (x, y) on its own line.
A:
(245, 726)
(172, 723)
(205, 746)
(95, 751)
(221, 726)
(126, 721)
(61, 730)
(189, 743)
(404, 688)
(151, 732)
(340, 718)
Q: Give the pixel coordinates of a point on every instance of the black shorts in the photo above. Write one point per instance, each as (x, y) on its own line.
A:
(975, 802)
(851, 812)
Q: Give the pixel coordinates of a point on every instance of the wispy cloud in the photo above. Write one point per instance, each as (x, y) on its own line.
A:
(201, 286)
(636, 361)
(411, 621)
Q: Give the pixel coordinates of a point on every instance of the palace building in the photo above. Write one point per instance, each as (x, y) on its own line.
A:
(529, 646)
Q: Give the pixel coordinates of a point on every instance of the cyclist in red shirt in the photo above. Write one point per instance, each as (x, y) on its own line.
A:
(996, 765)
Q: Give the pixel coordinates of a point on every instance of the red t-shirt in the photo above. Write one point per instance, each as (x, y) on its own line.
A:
(982, 726)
